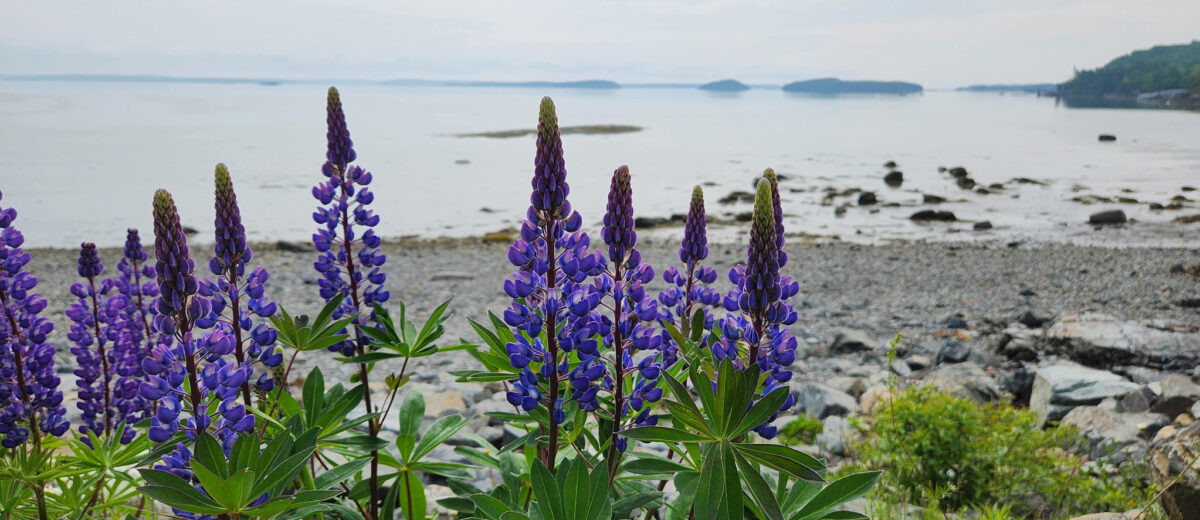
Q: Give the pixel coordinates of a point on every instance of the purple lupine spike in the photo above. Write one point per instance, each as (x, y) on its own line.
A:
(618, 232)
(349, 259)
(759, 300)
(30, 402)
(131, 314)
(695, 241)
(769, 175)
(625, 333)
(761, 286)
(173, 263)
(550, 187)
(341, 149)
(688, 288)
(244, 297)
(549, 292)
(92, 328)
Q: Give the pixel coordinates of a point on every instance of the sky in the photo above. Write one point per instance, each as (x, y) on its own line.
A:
(938, 43)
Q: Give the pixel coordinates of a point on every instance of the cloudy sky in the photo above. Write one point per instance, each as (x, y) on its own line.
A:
(939, 43)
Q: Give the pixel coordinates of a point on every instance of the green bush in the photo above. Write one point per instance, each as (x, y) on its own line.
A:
(955, 454)
(804, 429)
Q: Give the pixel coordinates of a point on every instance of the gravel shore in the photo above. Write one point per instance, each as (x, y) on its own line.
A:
(912, 289)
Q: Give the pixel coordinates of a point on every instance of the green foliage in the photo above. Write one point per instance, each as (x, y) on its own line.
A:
(1158, 68)
(952, 454)
(249, 482)
(804, 429)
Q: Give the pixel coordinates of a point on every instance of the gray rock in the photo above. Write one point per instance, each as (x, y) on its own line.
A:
(837, 434)
(1059, 388)
(1031, 320)
(822, 401)
(846, 340)
(852, 385)
(964, 380)
(1104, 431)
(1102, 341)
(933, 215)
(1139, 400)
(953, 352)
(451, 276)
(901, 368)
(894, 178)
(1148, 423)
(867, 198)
(956, 322)
(1112, 216)
(983, 225)
(1177, 393)
(1196, 409)
(1169, 459)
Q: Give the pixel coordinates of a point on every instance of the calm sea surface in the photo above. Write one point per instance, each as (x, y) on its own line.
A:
(80, 160)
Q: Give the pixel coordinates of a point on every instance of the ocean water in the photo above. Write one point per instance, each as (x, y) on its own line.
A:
(81, 160)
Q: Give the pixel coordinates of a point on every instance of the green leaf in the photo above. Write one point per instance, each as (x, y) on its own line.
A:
(440, 431)
(782, 458)
(837, 493)
(370, 357)
(209, 454)
(314, 391)
(339, 473)
(545, 488)
(170, 489)
(662, 434)
(685, 415)
(217, 487)
(716, 498)
(341, 511)
(845, 515)
(411, 412)
(490, 506)
(759, 490)
(624, 507)
(412, 496)
(646, 464)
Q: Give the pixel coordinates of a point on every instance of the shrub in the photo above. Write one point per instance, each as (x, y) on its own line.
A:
(804, 429)
(950, 452)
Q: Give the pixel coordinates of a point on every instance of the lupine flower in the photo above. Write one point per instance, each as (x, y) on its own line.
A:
(548, 290)
(690, 287)
(769, 175)
(758, 303)
(94, 325)
(350, 264)
(242, 295)
(135, 289)
(30, 402)
(625, 332)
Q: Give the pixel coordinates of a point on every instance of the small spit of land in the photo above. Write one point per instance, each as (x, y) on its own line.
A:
(565, 130)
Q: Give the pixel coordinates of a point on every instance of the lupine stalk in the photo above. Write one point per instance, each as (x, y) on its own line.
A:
(28, 384)
(552, 261)
(624, 282)
(691, 286)
(759, 305)
(136, 289)
(91, 331)
(244, 297)
(353, 273)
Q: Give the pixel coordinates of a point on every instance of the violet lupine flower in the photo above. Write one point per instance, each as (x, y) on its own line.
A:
(135, 290)
(691, 286)
(769, 175)
(243, 296)
(548, 290)
(94, 324)
(350, 264)
(761, 312)
(30, 402)
(625, 332)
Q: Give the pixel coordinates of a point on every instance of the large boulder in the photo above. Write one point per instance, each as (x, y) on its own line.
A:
(1059, 388)
(1176, 395)
(847, 340)
(1102, 341)
(1174, 456)
(822, 401)
(1104, 431)
(964, 380)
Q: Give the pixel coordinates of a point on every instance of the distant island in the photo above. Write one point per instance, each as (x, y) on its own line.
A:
(1032, 88)
(725, 85)
(591, 84)
(837, 86)
(1164, 71)
(565, 130)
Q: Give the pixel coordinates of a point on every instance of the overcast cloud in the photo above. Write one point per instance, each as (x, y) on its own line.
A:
(936, 43)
